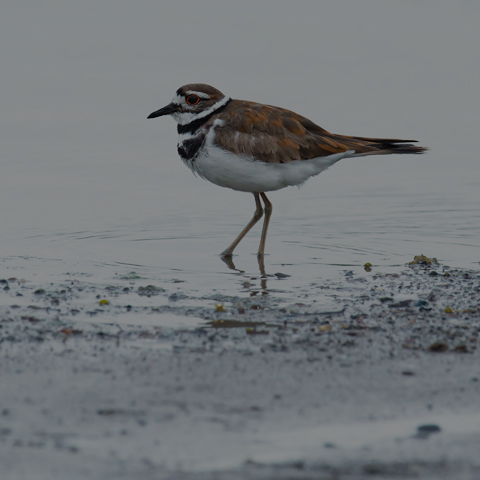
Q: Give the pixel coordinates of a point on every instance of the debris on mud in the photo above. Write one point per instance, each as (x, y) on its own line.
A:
(405, 309)
(168, 356)
(423, 260)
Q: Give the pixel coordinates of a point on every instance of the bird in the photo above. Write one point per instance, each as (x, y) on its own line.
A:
(257, 148)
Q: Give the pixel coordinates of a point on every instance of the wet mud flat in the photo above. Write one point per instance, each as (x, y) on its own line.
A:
(366, 375)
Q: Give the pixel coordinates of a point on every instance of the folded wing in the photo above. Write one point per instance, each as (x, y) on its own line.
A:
(276, 135)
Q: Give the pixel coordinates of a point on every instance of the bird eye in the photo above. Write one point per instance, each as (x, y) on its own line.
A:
(193, 99)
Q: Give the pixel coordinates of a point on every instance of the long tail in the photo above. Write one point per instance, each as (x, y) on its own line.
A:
(381, 146)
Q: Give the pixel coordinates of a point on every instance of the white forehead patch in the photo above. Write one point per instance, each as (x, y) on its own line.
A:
(178, 99)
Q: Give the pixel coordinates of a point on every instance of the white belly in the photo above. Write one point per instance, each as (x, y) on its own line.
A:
(246, 175)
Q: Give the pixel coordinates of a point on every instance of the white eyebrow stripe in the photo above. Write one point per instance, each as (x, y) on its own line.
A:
(184, 118)
(198, 94)
(214, 107)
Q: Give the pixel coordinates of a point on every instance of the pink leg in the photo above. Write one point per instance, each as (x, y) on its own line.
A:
(266, 221)
(256, 217)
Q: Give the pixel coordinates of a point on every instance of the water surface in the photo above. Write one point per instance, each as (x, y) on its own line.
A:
(89, 186)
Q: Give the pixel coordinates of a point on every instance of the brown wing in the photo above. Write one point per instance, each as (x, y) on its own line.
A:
(276, 135)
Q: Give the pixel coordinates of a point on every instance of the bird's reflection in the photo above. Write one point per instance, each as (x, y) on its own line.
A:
(261, 266)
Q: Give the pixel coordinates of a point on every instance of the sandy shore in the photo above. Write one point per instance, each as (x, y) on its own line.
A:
(367, 375)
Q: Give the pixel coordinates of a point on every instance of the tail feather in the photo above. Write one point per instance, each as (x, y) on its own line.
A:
(383, 146)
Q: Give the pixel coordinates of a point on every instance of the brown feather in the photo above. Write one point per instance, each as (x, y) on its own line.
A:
(276, 135)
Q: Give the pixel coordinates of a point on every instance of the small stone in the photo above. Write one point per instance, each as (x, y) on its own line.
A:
(402, 304)
(150, 291)
(438, 347)
(329, 445)
(175, 297)
(421, 303)
(429, 428)
(386, 299)
(281, 275)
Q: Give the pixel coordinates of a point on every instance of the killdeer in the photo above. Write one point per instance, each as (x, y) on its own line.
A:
(258, 148)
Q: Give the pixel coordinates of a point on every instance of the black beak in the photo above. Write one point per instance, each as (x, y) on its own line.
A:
(168, 110)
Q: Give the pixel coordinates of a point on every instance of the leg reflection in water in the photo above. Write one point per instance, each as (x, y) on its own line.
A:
(261, 266)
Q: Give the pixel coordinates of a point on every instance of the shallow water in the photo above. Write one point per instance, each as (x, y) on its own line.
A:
(171, 226)
(90, 187)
